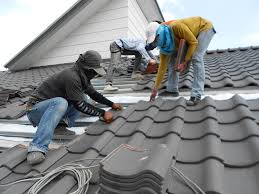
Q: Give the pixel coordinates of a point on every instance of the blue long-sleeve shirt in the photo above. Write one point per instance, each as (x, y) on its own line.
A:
(135, 44)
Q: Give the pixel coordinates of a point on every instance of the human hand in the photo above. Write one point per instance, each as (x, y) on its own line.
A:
(182, 67)
(152, 62)
(108, 117)
(153, 95)
(116, 106)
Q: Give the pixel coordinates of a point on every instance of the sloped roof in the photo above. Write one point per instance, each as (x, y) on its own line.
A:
(214, 143)
(234, 68)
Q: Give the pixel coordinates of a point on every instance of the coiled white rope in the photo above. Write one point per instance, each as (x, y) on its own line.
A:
(82, 174)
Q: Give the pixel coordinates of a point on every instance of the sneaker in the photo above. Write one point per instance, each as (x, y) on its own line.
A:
(167, 94)
(110, 88)
(193, 101)
(35, 158)
(137, 76)
(62, 130)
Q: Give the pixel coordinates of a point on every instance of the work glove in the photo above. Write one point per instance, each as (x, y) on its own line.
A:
(153, 95)
(108, 117)
(116, 106)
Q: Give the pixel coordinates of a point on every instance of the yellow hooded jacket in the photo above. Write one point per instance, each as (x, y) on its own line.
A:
(187, 29)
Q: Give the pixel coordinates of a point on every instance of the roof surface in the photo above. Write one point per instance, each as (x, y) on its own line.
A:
(233, 69)
(216, 144)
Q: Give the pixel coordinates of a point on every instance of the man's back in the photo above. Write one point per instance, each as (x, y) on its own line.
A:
(56, 85)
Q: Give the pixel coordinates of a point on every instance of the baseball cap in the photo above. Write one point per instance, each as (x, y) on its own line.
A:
(151, 31)
(92, 60)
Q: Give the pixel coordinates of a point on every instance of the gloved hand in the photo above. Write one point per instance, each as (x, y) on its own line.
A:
(153, 95)
(108, 117)
(116, 106)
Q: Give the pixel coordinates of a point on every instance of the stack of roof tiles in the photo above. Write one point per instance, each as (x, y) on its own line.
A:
(132, 170)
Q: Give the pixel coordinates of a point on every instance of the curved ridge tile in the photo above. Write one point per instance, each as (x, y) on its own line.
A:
(253, 104)
(82, 143)
(248, 81)
(241, 154)
(97, 128)
(234, 115)
(127, 129)
(145, 105)
(226, 82)
(205, 102)
(163, 129)
(195, 151)
(165, 116)
(171, 104)
(230, 103)
(200, 115)
(199, 130)
(221, 77)
(185, 84)
(147, 112)
(113, 144)
(239, 131)
(247, 179)
(14, 156)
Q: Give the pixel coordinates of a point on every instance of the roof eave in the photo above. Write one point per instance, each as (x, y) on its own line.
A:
(79, 5)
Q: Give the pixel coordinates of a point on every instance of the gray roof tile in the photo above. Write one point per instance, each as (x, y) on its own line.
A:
(214, 143)
(223, 68)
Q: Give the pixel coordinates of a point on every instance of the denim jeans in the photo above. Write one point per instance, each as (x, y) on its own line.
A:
(204, 39)
(173, 76)
(46, 115)
(116, 53)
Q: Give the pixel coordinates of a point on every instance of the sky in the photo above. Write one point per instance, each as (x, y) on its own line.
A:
(236, 21)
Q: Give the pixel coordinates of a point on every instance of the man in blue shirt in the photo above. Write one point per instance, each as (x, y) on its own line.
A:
(128, 46)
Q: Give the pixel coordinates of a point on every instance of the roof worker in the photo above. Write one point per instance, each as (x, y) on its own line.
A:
(197, 32)
(61, 98)
(128, 46)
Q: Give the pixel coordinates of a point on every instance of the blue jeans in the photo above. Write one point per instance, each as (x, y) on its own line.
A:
(204, 39)
(46, 115)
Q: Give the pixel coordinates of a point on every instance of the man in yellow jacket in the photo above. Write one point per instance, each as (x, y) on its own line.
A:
(197, 32)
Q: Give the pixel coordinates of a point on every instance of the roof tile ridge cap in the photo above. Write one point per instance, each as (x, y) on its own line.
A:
(238, 100)
(205, 102)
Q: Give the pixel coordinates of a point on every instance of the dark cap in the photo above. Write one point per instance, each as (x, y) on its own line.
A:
(92, 60)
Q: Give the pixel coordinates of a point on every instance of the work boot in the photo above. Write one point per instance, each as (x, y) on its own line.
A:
(62, 130)
(137, 76)
(193, 101)
(168, 94)
(110, 88)
(35, 157)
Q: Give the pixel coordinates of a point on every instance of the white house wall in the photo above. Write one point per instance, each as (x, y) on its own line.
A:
(96, 33)
(137, 20)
